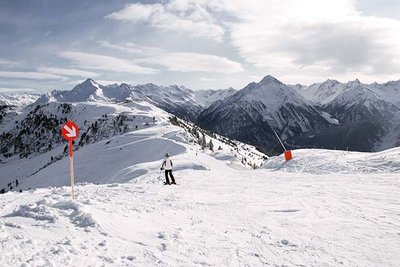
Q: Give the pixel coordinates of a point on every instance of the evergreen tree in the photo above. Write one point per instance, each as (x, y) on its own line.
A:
(203, 142)
(211, 145)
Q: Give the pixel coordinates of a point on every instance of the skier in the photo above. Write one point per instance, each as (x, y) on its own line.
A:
(167, 166)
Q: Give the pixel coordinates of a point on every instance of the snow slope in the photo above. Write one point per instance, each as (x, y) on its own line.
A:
(216, 216)
(320, 161)
(112, 156)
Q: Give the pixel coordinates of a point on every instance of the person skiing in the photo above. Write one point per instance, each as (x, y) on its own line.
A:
(167, 166)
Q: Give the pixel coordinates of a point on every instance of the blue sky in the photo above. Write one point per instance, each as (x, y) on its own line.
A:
(201, 44)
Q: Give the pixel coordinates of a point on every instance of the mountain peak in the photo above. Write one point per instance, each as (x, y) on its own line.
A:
(331, 81)
(89, 81)
(355, 82)
(269, 79)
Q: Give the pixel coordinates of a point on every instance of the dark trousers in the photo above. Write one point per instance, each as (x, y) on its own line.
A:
(170, 174)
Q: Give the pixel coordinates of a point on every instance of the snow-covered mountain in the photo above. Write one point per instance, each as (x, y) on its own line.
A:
(207, 97)
(331, 114)
(126, 133)
(18, 99)
(356, 116)
(251, 114)
(357, 102)
(89, 90)
(178, 100)
(365, 113)
(321, 93)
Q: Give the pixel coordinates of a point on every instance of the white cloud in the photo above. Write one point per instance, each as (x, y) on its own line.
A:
(69, 72)
(9, 63)
(205, 79)
(178, 61)
(105, 63)
(186, 17)
(192, 62)
(17, 90)
(30, 75)
(307, 40)
(312, 39)
(137, 12)
(133, 48)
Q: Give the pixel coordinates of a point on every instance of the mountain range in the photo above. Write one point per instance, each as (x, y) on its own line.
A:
(353, 116)
(178, 100)
(331, 114)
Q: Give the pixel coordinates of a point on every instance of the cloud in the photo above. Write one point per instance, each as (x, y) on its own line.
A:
(105, 63)
(178, 61)
(30, 75)
(9, 63)
(17, 90)
(133, 48)
(205, 79)
(313, 38)
(307, 40)
(184, 17)
(192, 62)
(68, 72)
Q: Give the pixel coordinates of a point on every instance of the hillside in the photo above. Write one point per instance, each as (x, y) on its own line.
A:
(113, 138)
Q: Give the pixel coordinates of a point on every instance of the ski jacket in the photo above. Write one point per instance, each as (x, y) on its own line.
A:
(167, 164)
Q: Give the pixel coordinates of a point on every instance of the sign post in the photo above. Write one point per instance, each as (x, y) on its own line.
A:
(70, 132)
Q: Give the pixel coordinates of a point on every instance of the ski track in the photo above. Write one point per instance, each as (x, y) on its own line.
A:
(212, 218)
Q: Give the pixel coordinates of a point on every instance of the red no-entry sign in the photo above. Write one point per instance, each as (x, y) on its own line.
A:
(70, 131)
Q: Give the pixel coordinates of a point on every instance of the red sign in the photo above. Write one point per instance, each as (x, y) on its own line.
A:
(70, 131)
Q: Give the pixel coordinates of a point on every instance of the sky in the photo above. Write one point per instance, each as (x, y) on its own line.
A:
(201, 44)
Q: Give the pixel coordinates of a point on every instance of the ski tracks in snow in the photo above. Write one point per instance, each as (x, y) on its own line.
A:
(215, 217)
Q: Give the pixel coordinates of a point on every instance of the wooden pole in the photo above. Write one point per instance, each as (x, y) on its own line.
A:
(71, 169)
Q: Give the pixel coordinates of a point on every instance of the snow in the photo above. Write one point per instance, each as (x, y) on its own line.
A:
(321, 93)
(329, 118)
(323, 208)
(214, 217)
(271, 93)
(207, 97)
(320, 161)
(352, 92)
(18, 99)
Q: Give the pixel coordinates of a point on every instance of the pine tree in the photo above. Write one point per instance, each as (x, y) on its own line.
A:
(211, 145)
(203, 142)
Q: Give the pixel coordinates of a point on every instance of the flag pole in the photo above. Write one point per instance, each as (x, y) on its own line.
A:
(280, 141)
